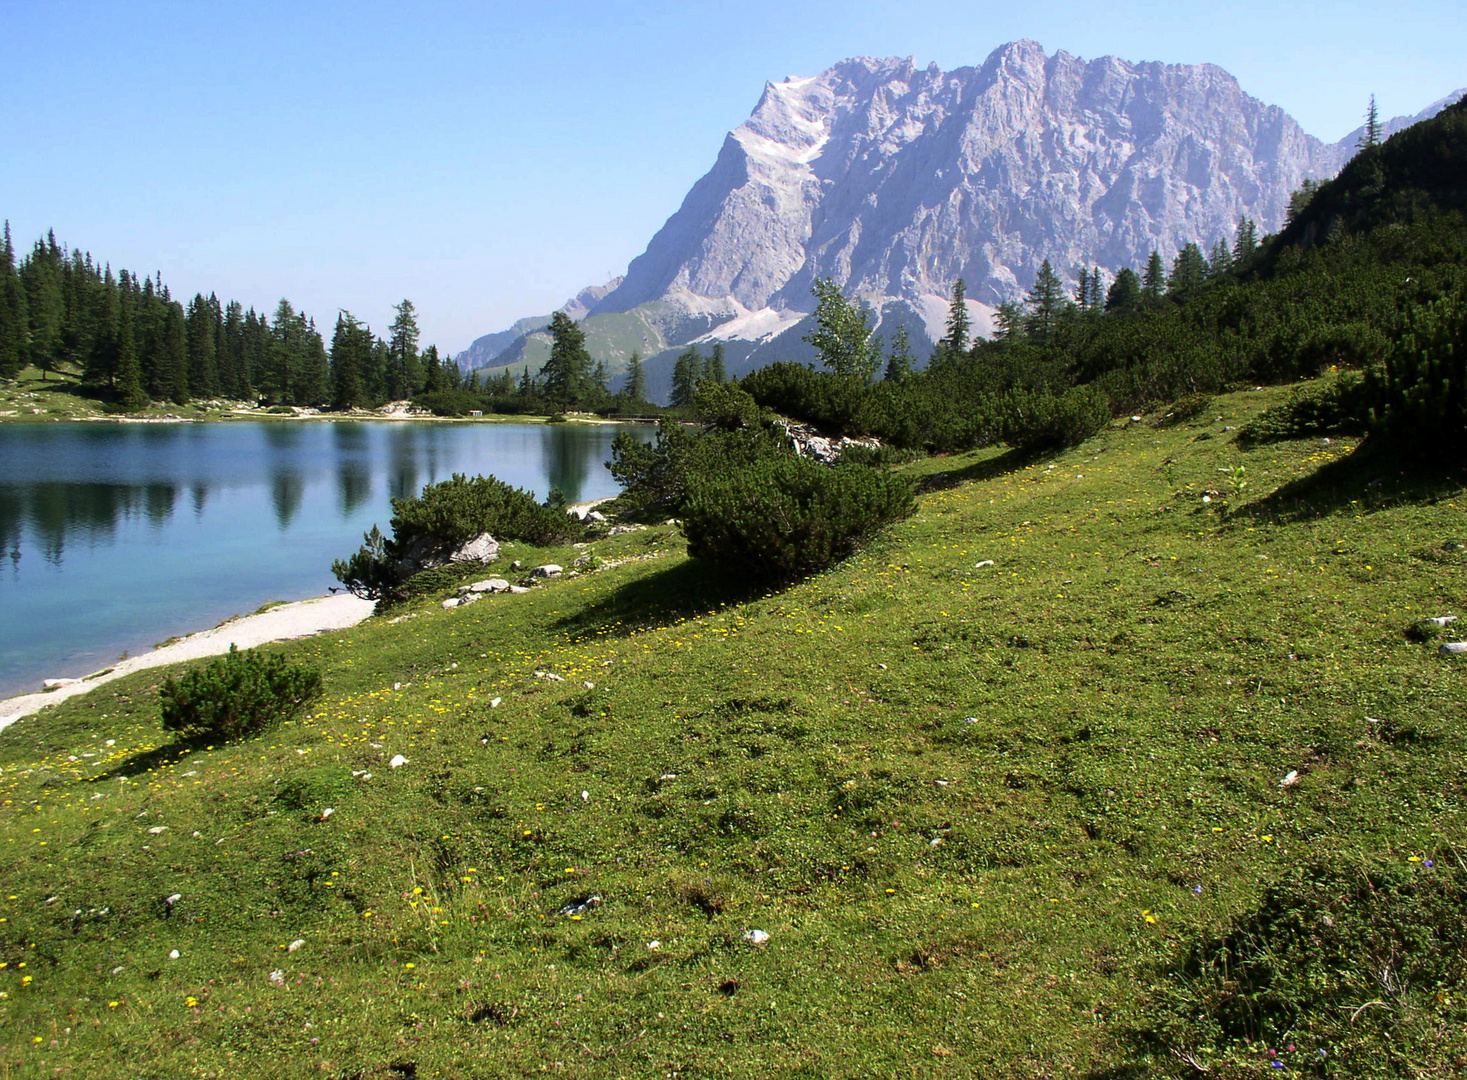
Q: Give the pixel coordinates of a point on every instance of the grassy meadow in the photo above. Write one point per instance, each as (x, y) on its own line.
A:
(984, 787)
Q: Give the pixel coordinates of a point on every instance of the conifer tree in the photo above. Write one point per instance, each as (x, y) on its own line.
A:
(1153, 282)
(1220, 261)
(130, 396)
(1008, 323)
(899, 362)
(1125, 292)
(1189, 273)
(685, 372)
(351, 349)
(1370, 136)
(405, 372)
(568, 370)
(313, 380)
(714, 369)
(1245, 245)
(1045, 303)
(172, 362)
(14, 319)
(432, 371)
(203, 336)
(635, 387)
(41, 275)
(955, 342)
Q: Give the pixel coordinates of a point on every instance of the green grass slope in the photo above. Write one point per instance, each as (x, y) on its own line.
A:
(980, 810)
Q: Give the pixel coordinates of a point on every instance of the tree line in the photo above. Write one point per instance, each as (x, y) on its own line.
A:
(130, 342)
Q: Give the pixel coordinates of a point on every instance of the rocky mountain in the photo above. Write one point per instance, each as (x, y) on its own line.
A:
(896, 180)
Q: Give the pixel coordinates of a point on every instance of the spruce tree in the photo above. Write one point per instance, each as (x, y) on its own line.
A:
(714, 369)
(686, 370)
(1125, 293)
(350, 354)
(130, 396)
(45, 305)
(405, 371)
(1370, 136)
(1245, 245)
(14, 319)
(899, 362)
(1153, 281)
(432, 371)
(1189, 273)
(635, 387)
(1220, 261)
(172, 363)
(203, 336)
(568, 370)
(1045, 303)
(959, 326)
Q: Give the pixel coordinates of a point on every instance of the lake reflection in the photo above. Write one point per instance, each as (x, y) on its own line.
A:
(115, 536)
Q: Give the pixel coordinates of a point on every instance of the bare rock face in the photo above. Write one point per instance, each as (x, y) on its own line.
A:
(895, 180)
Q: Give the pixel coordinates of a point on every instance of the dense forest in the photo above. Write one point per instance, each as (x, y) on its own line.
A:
(132, 343)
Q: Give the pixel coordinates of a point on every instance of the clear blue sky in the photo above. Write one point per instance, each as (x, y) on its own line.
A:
(489, 159)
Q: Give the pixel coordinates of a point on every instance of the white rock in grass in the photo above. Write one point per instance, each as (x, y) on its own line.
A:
(296, 944)
(547, 571)
(1453, 647)
(495, 703)
(756, 937)
(1442, 620)
(173, 955)
(981, 565)
(451, 602)
(654, 945)
(1290, 779)
(327, 812)
(156, 829)
(397, 761)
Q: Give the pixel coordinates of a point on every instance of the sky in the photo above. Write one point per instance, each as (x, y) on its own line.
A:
(489, 160)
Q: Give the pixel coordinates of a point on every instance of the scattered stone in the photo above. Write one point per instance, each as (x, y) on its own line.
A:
(1290, 779)
(494, 704)
(56, 684)
(585, 796)
(549, 570)
(1451, 648)
(516, 565)
(589, 685)
(451, 602)
(173, 955)
(296, 944)
(518, 589)
(277, 977)
(549, 676)
(327, 813)
(756, 937)
(494, 584)
(482, 548)
(654, 945)
(171, 900)
(985, 562)
(1442, 620)
(156, 829)
(595, 515)
(622, 530)
(397, 761)
(581, 906)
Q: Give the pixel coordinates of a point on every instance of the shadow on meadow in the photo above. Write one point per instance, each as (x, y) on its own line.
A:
(1372, 478)
(989, 469)
(148, 760)
(688, 590)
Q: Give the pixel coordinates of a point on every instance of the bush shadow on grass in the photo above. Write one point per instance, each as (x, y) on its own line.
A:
(148, 760)
(1374, 477)
(690, 589)
(989, 469)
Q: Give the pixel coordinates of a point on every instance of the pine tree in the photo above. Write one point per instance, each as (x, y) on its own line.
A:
(635, 387)
(1220, 261)
(432, 371)
(405, 372)
(1045, 303)
(351, 349)
(899, 362)
(955, 342)
(714, 369)
(172, 363)
(45, 304)
(1153, 282)
(568, 370)
(1245, 245)
(686, 370)
(843, 333)
(313, 380)
(1008, 324)
(14, 319)
(130, 396)
(1125, 293)
(1370, 136)
(1189, 273)
(100, 369)
(203, 335)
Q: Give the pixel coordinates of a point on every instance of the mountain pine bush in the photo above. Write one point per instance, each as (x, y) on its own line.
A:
(235, 695)
(782, 519)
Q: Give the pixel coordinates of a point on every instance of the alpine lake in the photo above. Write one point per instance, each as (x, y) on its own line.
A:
(116, 537)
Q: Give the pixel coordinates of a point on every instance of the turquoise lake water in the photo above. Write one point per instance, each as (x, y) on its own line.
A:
(114, 537)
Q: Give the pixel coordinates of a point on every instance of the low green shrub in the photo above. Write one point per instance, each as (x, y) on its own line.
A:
(1046, 421)
(1340, 971)
(1337, 408)
(1188, 407)
(1419, 395)
(782, 519)
(235, 695)
(884, 454)
(439, 519)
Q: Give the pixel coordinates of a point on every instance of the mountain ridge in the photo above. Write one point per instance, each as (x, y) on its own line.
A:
(895, 180)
